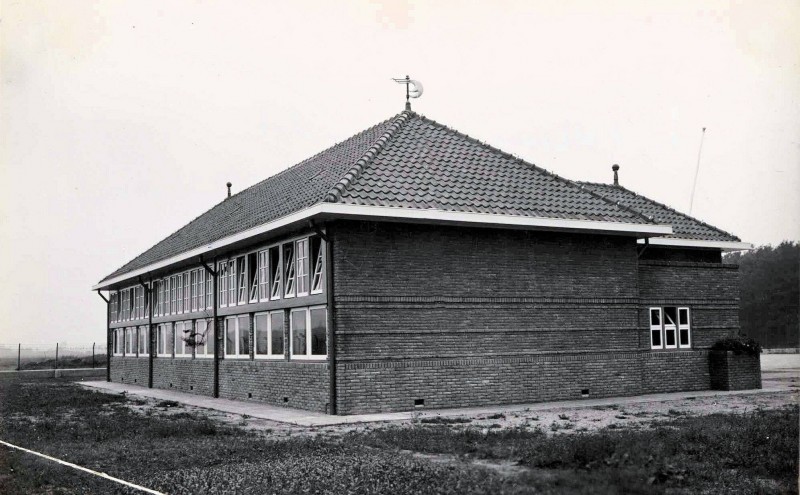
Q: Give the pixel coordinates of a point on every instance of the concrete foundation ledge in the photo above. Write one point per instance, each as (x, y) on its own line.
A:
(62, 373)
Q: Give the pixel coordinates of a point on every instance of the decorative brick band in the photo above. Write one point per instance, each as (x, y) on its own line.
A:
(689, 264)
(483, 300)
(405, 331)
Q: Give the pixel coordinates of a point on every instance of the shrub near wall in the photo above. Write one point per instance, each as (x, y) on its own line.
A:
(735, 364)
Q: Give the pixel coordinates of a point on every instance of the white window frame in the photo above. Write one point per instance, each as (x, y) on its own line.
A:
(670, 327)
(317, 271)
(181, 347)
(232, 293)
(187, 293)
(656, 328)
(289, 266)
(685, 326)
(209, 323)
(117, 344)
(162, 334)
(236, 354)
(253, 287)
(263, 275)
(275, 283)
(301, 256)
(174, 296)
(209, 291)
(222, 282)
(143, 340)
(201, 289)
(307, 356)
(128, 342)
(242, 287)
(269, 354)
(193, 276)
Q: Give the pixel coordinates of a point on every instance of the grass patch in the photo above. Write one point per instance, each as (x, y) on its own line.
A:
(439, 420)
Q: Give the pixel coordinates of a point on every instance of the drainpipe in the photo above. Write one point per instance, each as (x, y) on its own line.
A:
(331, 337)
(150, 340)
(214, 306)
(108, 335)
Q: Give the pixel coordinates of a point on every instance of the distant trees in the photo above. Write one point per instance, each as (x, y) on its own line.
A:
(770, 294)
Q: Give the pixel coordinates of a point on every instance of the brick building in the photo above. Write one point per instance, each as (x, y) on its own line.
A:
(412, 266)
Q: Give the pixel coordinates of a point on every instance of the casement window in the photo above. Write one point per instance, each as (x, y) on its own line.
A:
(252, 277)
(113, 306)
(147, 295)
(130, 336)
(308, 329)
(275, 273)
(175, 285)
(209, 291)
(317, 276)
(179, 281)
(222, 277)
(193, 274)
(165, 340)
(232, 282)
(237, 337)
(263, 275)
(268, 329)
(201, 289)
(301, 250)
(288, 270)
(117, 344)
(123, 311)
(241, 277)
(670, 328)
(204, 335)
(183, 329)
(143, 341)
(187, 293)
(165, 297)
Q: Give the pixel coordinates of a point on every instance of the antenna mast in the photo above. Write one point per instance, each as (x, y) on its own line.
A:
(696, 170)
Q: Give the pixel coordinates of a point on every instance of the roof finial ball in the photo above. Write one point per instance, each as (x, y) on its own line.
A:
(229, 189)
(615, 168)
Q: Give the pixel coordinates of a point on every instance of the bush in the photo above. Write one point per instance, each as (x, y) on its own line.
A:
(739, 345)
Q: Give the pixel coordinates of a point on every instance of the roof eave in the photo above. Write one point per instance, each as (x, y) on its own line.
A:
(699, 243)
(428, 216)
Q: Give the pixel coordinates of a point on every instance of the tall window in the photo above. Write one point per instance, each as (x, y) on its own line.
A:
(165, 300)
(275, 269)
(263, 275)
(288, 270)
(302, 266)
(130, 341)
(174, 282)
(204, 330)
(670, 328)
(232, 282)
(241, 285)
(194, 274)
(308, 328)
(252, 276)
(143, 341)
(237, 337)
(165, 340)
(316, 258)
(182, 331)
(268, 328)
(209, 291)
(222, 278)
(113, 305)
(118, 342)
(201, 289)
(187, 293)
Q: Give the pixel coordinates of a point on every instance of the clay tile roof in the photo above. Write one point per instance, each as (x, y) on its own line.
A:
(410, 161)
(683, 226)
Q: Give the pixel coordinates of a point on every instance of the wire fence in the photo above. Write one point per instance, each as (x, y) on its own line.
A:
(52, 356)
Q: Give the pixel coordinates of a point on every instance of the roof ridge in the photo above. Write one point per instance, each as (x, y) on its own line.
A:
(542, 170)
(335, 192)
(680, 213)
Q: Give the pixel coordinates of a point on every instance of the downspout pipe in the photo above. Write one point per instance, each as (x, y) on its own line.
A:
(108, 335)
(214, 306)
(149, 294)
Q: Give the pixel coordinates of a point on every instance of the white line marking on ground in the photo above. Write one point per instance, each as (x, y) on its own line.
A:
(102, 475)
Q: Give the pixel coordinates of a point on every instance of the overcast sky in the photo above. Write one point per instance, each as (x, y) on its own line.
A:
(122, 121)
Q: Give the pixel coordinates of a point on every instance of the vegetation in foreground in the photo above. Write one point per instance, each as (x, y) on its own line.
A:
(189, 453)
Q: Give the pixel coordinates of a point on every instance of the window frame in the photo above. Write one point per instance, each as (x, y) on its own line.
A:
(180, 343)
(269, 354)
(143, 341)
(656, 328)
(662, 328)
(162, 337)
(301, 276)
(308, 356)
(117, 342)
(237, 338)
(687, 326)
(318, 260)
(209, 322)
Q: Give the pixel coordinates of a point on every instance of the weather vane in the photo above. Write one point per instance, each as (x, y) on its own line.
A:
(413, 89)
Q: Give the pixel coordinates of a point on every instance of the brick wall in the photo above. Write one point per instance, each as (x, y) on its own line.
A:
(731, 371)
(467, 316)
(131, 370)
(194, 376)
(291, 384)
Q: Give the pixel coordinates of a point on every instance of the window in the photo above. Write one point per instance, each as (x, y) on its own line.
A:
(143, 341)
(194, 274)
(237, 336)
(165, 340)
(113, 305)
(269, 335)
(222, 276)
(179, 281)
(174, 282)
(204, 336)
(316, 272)
(241, 284)
(309, 333)
(209, 291)
(288, 270)
(252, 276)
(263, 275)
(275, 278)
(670, 328)
(130, 341)
(232, 283)
(165, 299)
(187, 293)
(117, 346)
(201, 289)
(302, 267)
(183, 329)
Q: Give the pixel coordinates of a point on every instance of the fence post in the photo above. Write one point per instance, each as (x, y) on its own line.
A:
(56, 355)
(19, 356)
(93, 355)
